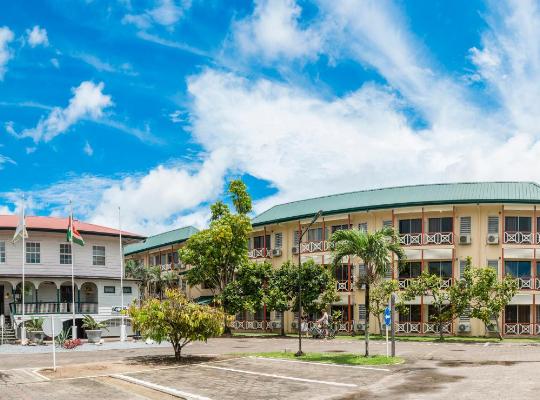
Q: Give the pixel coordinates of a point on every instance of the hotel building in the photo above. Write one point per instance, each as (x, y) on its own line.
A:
(440, 225)
(48, 257)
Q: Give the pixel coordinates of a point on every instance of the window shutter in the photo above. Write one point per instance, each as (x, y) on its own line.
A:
(387, 224)
(278, 240)
(363, 227)
(465, 225)
(361, 270)
(493, 224)
(362, 312)
(462, 265)
(296, 238)
(494, 264)
(466, 316)
(388, 274)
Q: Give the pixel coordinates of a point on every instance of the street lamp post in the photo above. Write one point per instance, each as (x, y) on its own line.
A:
(302, 233)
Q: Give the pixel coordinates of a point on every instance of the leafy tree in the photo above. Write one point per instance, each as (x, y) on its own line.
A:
(176, 319)
(487, 295)
(215, 254)
(248, 290)
(318, 287)
(170, 279)
(375, 250)
(448, 303)
(379, 296)
(141, 273)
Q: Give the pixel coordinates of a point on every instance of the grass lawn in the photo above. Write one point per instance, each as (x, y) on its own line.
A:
(447, 339)
(332, 358)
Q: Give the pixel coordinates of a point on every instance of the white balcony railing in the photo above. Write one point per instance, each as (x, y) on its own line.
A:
(538, 237)
(519, 329)
(439, 238)
(408, 327)
(257, 253)
(410, 239)
(433, 327)
(518, 237)
(312, 247)
(343, 286)
(403, 283)
(537, 282)
(254, 325)
(525, 283)
(446, 283)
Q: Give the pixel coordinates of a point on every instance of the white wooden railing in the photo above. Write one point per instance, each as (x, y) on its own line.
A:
(408, 327)
(439, 238)
(403, 283)
(410, 239)
(312, 247)
(433, 327)
(446, 283)
(257, 253)
(517, 237)
(519, 329)
(255, 325)
(343, 286)
(525, 283)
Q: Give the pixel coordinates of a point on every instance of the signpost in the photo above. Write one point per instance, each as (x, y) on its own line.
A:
(52, 327)
(387, 323)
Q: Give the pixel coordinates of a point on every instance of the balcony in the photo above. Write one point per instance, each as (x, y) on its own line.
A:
(258, 253)
(53, 307)
(525, 283)
(423, 328)
(344, 286)
(439, 238)
(317, 246)
(519, 237)
(521, 329)
(432, 327)
(410, 239)
(403, 283)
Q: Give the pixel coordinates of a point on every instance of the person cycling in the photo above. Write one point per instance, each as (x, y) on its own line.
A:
(323, 322)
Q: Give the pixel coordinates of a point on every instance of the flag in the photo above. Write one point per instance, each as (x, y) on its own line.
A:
(21, 229)
(73, 234)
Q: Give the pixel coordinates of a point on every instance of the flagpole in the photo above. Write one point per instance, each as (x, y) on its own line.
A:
(122, 325)
(23, 330)
(71, 223)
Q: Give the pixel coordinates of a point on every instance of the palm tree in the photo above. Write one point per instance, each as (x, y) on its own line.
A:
(375, 250)
(170, 279)
(156, 281)
(139, 272)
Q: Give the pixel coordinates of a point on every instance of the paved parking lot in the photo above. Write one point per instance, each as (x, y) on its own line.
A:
(432, 371)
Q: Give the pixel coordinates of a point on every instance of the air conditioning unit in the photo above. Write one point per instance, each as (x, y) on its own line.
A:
(295, 250)
(464, 327)
(465, 239)
(492, 328)
(276, 324)
(276, 252)
(493, 238)
(361, 326)
(181, 266)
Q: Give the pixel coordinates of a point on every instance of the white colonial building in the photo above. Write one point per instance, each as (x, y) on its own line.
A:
(48, 259)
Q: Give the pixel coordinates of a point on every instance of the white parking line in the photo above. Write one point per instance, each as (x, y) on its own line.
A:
(290, 378)
(320, 363)
(160, 388)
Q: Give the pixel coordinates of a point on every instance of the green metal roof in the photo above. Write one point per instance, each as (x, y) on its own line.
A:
(404, 196)
(162, 239)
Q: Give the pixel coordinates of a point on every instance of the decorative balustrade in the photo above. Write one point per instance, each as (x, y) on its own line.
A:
(410, 239)
(518, 237)
(255, 325)
(519, 329)
(537, 283)
(257, 253)
(53, 307)
(537, 329)
(408, 327)
(446, 283)
(439, 238)
(403, 283)
(538, 237)
(525, 283)
(313, 247)
(433, 327)
(343, 286)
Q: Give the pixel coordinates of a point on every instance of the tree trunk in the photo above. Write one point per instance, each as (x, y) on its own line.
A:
(282, 323)
(177, 351)
(366, 302)
(226, 328)
(499, 331)
(380, 323)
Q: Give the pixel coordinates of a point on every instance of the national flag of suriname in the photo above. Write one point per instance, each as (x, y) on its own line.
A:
(73, 235)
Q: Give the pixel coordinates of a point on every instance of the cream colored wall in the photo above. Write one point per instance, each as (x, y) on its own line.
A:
(479, 250)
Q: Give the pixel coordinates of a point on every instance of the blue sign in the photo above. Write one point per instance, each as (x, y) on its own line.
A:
(387, 316)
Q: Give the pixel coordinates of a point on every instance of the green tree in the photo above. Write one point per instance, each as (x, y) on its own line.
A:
(375, 250)
(215, 254)
(318, 287)
(176, 319)
(379, 297)
(487, 295)
(448, 303)
(141, 273)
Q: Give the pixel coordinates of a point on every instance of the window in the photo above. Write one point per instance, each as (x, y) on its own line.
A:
(260, 315)
(127, 290)
(341, 272)
(65, 253)
(278, 240)
(259, 242)
(33, 253)
(362, 312)
(493, 224)
(410, 226)
(443, 224)
(339, 228)
(296, 238)
(411, 313)
(518, 269)
(465, 225)
(2, 252)
(432, 311)
(517, 314)
(362, 227)
(410, 269)
(517, 224)
(98, 255)
(462, 265)
(314, 235)
(494, 264)
(387, 224)
(466, 316)
(109, 289)
(440, 268)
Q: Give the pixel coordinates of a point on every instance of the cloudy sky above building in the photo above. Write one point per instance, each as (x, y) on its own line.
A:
(154, 105)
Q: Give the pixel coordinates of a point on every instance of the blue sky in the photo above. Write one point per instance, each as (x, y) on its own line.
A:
(154, 105)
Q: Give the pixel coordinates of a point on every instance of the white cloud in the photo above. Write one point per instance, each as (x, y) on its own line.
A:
(273, 31)
(55, 62)
(6, 36)
(88, 102)
(5, 160)
(37, 37)
(104, 66)
(165, 13)
(88, 150)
